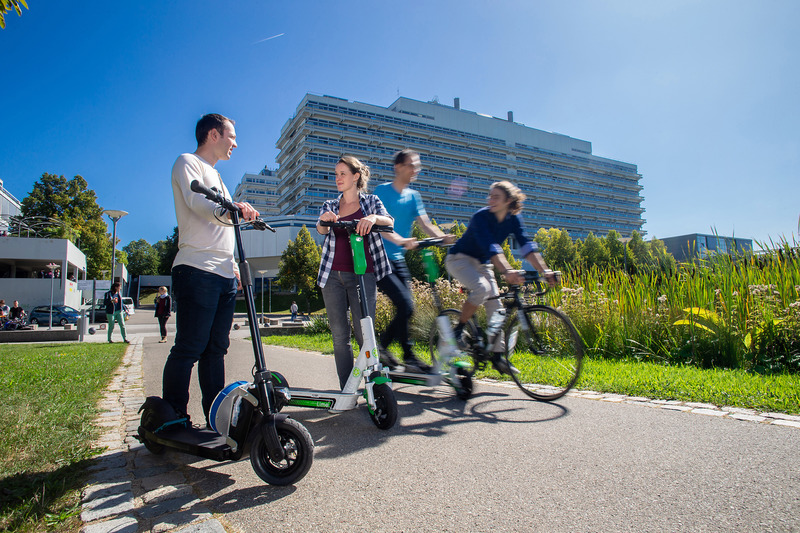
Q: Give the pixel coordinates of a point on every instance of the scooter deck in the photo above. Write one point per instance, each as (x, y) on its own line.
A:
(322, 399)
(201, 442)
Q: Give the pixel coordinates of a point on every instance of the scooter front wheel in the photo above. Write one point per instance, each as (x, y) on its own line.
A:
(298, 449)
(385, 413)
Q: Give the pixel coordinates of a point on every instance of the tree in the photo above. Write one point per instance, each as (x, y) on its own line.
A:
(299, 265)
(666, 261)
(7, 5)
(616, 248)
(143, 259)
(167, 249)
(594, 252)
(640, 253)
(559, 252)
(75, 205)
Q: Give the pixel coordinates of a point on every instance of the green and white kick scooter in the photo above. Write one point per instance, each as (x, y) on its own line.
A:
(377, 391)
(448, 363)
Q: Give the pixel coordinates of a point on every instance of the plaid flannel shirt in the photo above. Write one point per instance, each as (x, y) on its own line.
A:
(370, 205)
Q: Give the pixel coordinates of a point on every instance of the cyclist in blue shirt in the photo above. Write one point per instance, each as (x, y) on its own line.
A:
(470, 261)
(405, 205)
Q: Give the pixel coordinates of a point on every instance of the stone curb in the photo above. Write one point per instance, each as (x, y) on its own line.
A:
(130, 490)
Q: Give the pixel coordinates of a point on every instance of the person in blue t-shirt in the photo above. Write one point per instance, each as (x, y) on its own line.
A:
(405, 205)
(470, 261)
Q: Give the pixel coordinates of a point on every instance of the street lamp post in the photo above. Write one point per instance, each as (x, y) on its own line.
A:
(52, 267)
(114, 215)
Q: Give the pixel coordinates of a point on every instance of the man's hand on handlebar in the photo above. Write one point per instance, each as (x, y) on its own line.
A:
(248, 211)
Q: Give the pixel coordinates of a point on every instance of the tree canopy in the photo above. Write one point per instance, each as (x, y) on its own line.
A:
(75, 205)
(7, 5)
(143, 259)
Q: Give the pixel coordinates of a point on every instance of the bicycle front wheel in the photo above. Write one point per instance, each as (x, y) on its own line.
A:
(546, 349)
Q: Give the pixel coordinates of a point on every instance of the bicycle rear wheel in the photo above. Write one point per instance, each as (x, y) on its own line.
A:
(547, 351)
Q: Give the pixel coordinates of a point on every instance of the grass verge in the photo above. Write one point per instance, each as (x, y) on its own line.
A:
(48, 398)
(732, 388)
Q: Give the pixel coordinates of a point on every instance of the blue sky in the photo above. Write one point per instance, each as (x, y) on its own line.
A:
(701, 95)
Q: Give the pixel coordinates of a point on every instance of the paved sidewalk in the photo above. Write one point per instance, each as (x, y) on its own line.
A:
(132, 490)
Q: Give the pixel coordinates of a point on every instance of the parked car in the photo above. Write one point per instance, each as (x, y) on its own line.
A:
(62, 314)
(127, 303)
(99, 312)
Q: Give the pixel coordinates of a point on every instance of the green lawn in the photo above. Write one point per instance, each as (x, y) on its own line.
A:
(732, 388)
(48, 398)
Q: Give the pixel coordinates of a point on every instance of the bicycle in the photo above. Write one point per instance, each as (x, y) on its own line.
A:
(541, 342)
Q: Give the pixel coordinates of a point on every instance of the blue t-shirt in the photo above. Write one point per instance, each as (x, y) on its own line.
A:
(405, 207)
(485, 235)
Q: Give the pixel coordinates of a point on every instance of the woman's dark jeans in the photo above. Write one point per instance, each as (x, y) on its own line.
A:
(162, 324)
(204, 304)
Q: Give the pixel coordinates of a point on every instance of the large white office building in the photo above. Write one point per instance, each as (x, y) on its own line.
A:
(462, 154)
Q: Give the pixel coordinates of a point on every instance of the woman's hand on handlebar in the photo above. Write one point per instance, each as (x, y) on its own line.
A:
(365, 224)
(327, 216)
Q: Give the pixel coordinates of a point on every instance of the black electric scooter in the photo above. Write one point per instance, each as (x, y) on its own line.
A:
(245, 415)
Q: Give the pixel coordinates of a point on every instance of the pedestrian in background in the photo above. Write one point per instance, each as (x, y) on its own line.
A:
(113, 301)
(293, 309)
(163, 311)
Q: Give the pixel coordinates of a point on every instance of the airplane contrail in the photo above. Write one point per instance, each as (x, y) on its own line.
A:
(268, 38)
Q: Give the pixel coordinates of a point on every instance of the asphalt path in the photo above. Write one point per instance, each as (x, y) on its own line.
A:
(500, 462)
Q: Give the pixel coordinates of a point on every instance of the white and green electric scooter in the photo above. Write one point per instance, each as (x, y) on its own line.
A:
(377, 390)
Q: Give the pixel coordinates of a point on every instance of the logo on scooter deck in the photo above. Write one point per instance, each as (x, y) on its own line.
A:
(323, 404)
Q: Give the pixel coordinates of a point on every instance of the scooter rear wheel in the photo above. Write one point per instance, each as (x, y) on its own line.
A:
(298, 448)
(384, 415)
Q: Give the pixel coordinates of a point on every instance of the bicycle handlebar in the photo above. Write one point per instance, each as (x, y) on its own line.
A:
(350, 225)
(216, 196)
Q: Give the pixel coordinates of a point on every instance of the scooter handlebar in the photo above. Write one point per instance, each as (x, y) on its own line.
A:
(216, 196)
(350, 225)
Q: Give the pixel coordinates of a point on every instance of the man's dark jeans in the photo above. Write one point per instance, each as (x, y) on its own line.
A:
(204, 304)
(396, 287)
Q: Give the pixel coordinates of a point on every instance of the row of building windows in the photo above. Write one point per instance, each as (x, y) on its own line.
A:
(387, 119)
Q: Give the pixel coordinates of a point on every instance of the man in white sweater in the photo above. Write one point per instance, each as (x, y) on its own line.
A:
(204, 273)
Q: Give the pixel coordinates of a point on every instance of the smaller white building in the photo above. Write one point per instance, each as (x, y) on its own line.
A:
(25, 276)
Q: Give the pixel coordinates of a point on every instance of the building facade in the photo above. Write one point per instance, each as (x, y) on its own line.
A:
(700, 245)
(259, 190)
(9, 207)
(462, 154)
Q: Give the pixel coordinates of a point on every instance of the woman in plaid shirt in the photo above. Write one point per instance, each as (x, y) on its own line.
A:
(336, 277)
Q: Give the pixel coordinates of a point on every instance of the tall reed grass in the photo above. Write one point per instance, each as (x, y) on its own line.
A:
(726, 311)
